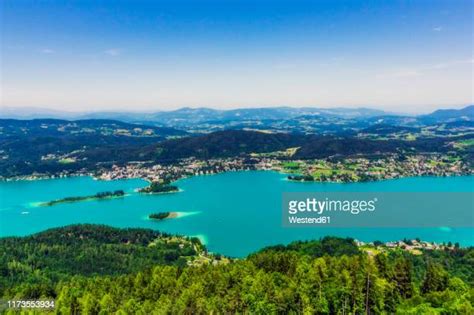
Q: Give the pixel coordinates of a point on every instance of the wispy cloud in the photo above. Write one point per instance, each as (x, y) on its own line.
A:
(437, 29)
(415, 72)
(284, 66)
(47, 51)
(113, 52)
(403, 73)
(334, 61)
(406, 73)
(448, 64)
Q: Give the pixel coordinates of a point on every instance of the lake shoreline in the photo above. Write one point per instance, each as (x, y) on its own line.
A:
(279, 171)
(350, 169)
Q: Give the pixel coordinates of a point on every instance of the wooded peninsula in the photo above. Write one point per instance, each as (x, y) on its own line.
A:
(98, 196)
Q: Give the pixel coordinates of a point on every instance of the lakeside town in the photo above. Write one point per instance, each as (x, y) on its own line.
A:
(341, 171)
(336, 170)
(413, 246)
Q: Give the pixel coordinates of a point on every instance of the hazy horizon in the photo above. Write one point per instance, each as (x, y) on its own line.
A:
(29, 110)
(142, 56)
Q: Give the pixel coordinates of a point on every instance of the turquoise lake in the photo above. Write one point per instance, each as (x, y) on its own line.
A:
(234, 213)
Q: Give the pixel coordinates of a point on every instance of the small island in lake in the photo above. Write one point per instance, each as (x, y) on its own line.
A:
(98, 196)
(157, 188)
(163, 215)
(301, 178)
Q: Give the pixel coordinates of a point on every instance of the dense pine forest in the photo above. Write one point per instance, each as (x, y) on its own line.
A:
(32, 266)
(97, 269)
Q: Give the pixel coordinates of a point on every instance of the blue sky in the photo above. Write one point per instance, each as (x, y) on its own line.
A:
(410, 56)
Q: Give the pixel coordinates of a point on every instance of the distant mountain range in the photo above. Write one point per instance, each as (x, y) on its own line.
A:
(283, 119)
(192, 114)
(35, 113)
(447, 115)
(56, 145)
(200, 115)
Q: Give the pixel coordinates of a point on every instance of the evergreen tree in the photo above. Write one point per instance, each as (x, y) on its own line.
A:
(436, 278)
(403, 278)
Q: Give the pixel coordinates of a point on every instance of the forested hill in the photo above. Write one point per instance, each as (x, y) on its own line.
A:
(325, 277)
(47, 153)
(33, 264)
(237, 142)
(228, 143)
(91, 127)
(50, 146)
